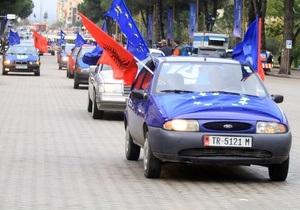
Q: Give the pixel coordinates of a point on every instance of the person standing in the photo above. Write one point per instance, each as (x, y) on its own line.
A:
(177, 48)
(165, 48)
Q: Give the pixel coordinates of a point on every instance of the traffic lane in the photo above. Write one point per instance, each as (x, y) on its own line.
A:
(57, 156)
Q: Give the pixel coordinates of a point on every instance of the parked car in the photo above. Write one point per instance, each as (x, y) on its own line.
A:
(81, 69)
(104, 92)
(63, 55)
(205, 110)
(21, 58)
(71, 62)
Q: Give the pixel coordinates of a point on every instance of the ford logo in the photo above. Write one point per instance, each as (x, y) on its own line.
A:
(227, 126)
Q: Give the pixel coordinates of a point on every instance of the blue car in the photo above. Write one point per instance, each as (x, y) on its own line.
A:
(208, 111)
(21, 58)
(81, 69)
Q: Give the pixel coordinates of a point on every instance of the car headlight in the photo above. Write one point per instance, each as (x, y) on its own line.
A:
(34, 62)
(110, 88)
(270, 127)
(181, 125)
(64, 58)
(7, 62)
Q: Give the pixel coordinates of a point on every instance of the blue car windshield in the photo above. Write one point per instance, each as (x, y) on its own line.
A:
(227, 78)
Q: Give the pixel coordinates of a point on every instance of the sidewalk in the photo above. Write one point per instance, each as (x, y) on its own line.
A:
(295, 73)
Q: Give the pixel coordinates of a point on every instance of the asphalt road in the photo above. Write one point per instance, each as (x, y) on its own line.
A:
(53, 155)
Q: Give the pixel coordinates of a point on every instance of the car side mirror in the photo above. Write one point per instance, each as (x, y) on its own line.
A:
(277, 98)
(138, 94)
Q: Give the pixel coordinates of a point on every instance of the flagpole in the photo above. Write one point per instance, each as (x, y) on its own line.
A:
(144, 65)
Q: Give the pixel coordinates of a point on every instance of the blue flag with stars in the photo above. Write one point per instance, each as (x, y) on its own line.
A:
(136, 44)
(13, 38)
(79, 40)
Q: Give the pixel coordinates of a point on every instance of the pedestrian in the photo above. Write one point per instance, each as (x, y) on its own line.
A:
(177, 48)
(165, 48)
(279, 60)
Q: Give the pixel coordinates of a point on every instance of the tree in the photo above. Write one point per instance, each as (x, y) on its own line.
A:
(45, 16)
(21, 8)
(287, 35)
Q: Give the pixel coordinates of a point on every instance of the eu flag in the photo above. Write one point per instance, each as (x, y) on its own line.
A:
(249, 49)
(136, 44)
(79, 40)
(13, 38)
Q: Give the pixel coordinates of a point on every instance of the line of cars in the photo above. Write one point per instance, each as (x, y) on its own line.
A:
(203, 110)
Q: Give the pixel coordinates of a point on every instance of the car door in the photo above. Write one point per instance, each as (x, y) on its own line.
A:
(136, 107)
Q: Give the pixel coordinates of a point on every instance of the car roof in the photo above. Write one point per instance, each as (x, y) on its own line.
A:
(88, 45)
(196, 59)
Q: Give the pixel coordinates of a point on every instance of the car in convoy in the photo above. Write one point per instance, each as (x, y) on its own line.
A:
(51, 49)
(63, 55)
(205, 110)
(104, 92)
(71, 62)
(81, 69)
(21, 58)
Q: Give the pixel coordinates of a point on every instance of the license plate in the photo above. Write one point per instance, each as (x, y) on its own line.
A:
(227, 141)
(21, 66)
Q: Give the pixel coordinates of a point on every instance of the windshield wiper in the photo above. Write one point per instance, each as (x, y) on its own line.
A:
(177, 91)
(222, 92)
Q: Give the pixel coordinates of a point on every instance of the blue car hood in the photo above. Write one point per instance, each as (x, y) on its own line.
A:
(218, 106)
(22, 57)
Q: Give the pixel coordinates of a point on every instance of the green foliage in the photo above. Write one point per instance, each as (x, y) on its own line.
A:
(21, 8)
(91, 9)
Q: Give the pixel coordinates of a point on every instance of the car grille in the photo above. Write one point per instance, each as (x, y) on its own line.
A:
(210, 152)
(227, 126)
(21, 62)
(127, 90)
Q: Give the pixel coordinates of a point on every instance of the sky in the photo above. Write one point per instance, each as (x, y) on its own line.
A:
(49, 6)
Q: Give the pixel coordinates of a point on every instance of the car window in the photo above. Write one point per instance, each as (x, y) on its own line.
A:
(84, 50)
(207, 77)
(144, 77)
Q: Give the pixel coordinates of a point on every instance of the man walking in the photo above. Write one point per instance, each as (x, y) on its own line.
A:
(165, 48)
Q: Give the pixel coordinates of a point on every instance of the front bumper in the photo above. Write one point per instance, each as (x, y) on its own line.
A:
(188, 147)
(21, 68)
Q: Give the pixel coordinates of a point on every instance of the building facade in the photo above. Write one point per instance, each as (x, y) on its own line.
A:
(67, 11)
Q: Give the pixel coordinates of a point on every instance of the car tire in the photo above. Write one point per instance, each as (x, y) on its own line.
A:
(96, 113)
(4, 72)
(76, 84)
(152, 165)
(37, 73)
(59, 66)
(132, 151)
(279, 172)
(90, 104)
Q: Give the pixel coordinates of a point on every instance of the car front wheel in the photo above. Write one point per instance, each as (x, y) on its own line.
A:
(96, 113)
(152, 165)
(279, 172)
(132, 150)
(90, 104)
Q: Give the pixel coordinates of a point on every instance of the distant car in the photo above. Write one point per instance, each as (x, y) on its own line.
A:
(63, 55)
(81, 69)
(205, 110)
(104, 92)
(51, 49)
(71, 62)
(21, 58)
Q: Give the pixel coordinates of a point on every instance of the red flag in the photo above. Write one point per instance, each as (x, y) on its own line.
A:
(40, 42)
(260, 69)
(122, 61)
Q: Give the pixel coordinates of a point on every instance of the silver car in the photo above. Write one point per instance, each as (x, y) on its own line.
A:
(104, 92)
